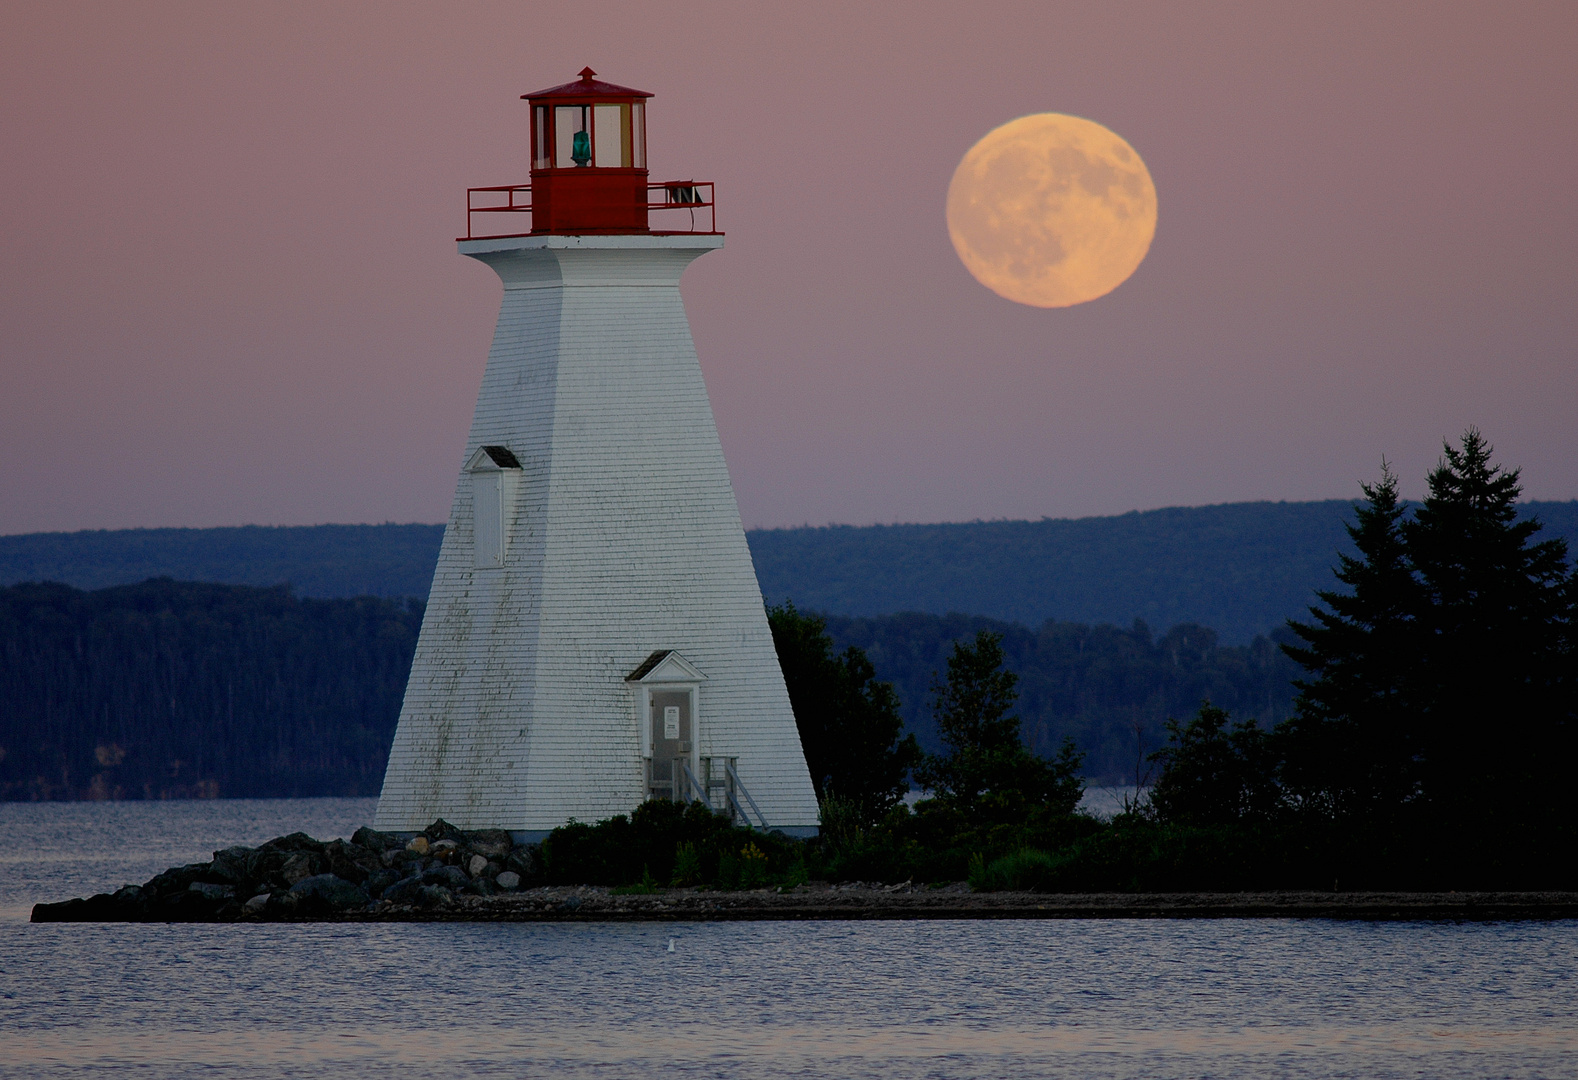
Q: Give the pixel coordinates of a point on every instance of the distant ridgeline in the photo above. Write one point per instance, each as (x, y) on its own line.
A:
(1240, 568)
(178, 690)
(315, 560)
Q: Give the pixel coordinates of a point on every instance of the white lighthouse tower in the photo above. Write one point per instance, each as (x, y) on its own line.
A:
(595, 634)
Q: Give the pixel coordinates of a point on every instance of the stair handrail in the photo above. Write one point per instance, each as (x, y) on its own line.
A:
(693, 786)
(741, 789)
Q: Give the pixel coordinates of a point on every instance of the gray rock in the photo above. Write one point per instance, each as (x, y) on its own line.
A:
(374, 840)
(378, 881)
(399, 856)
(349, 861)
(296, 841)
(300, 866)
(257, 904)
(452, 877)
(230, 865)
(265, 864)
(494, 843)
(509, 880)
(443, 830)
(435, 896)
(335, 891)
(176, 879)
(477, 865)
(209, 891)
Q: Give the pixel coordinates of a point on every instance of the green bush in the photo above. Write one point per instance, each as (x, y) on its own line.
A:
(1024, 869)
(666, 841)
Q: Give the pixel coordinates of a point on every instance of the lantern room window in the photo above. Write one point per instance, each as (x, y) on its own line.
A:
(572, 136)
(539, 127)
(589, 133)
(596, 136)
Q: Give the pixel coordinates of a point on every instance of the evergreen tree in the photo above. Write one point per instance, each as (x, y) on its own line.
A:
(987, 758)
(1350, 749)
(1493, 703)
(850, 726)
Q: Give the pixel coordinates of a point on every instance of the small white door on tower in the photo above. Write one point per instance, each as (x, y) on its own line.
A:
(495, 481)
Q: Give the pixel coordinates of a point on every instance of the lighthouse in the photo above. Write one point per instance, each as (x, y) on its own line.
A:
(595, 635)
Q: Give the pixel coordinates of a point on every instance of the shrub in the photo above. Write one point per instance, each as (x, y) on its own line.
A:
(1024, 869)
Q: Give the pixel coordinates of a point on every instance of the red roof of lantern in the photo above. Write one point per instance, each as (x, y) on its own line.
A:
(586, 87)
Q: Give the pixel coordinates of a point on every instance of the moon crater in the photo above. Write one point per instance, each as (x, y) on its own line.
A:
(1051, 210)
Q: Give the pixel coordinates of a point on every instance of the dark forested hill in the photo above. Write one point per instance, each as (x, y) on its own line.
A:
(1240, 568)
(1111, 689)
(176, 690)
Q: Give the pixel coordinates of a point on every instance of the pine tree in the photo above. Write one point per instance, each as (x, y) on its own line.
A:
(1351, 749)
(1494, 714)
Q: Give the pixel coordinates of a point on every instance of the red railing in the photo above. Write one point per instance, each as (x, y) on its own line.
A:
(672, 197)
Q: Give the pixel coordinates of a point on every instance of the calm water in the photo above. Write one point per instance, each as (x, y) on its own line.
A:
(1075, 999)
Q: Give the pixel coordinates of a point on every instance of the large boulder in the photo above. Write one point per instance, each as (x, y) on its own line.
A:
(451, 877)
(210, 891)
(177, 879)
(264, 869)
(379, 880)
(230, 865)
(296, 841)
(509, 881)
(443, 830)
(493, 843)
(186, 906)
(436, 896)
(301, 865)
(334, 891)
(100, 908)
(482, 887)
(523, 861)
(350, 861)
(373, 840)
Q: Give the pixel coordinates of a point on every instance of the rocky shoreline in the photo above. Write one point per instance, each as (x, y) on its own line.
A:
(446, 874)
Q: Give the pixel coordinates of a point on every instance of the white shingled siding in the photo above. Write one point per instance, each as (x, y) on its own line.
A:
(625, 539)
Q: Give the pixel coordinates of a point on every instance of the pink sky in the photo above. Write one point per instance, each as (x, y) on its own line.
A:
(230, 291)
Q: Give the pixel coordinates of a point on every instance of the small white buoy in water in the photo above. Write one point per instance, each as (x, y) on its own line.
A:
(670, 944)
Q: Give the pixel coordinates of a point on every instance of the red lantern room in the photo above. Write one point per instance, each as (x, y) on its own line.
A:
(589, 157)
(589, 168)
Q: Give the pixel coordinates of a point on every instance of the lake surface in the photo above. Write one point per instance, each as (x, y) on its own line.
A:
(1250, 998)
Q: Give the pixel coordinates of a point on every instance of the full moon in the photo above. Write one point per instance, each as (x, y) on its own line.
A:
(1051, 210)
